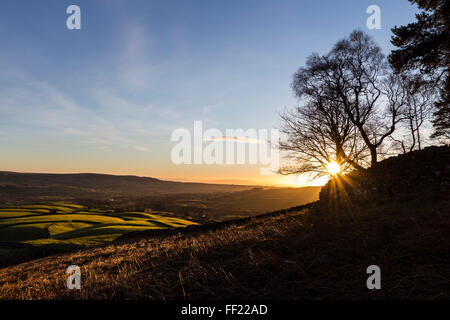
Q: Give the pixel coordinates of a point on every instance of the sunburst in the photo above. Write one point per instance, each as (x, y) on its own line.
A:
(333, 168)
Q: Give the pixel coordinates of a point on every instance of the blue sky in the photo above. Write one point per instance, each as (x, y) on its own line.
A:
(107, 97)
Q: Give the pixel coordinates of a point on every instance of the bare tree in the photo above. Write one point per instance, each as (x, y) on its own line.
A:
(421, 97)
(358, 76)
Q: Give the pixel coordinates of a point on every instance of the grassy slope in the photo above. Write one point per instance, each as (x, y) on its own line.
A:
(289, 256)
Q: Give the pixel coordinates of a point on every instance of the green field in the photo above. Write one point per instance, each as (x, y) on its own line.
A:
(63, 224)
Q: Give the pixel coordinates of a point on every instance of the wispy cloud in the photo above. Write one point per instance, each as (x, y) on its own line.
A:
(32, 108)
(143, 149)
(236, 139)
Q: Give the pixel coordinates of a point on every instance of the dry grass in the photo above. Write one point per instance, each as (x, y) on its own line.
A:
(290, 256)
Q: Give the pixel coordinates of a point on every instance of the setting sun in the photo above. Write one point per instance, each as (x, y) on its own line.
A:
(333, 168)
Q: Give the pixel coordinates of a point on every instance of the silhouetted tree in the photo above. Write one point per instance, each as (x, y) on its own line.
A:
(421, 97)
(424, 46)
(356, 78)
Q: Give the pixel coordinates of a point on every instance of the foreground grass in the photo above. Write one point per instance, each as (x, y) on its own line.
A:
(289, 256)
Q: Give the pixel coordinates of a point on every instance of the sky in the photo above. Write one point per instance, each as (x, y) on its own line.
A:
(106, 98)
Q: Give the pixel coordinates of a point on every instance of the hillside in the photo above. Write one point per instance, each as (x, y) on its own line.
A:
(318, 251)
(240, 204)
(419, 177)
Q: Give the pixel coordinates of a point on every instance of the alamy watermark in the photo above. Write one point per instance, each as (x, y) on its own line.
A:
(74, 279)
(73, 21)
(236, 146)
(374, 281)
(374, 20)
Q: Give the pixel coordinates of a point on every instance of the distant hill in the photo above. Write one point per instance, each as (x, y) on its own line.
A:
(42, 186)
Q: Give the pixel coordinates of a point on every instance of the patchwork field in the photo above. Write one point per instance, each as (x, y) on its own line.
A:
(36, 228)
(60, 224)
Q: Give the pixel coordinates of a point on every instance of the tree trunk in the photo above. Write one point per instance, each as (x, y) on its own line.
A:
(373, 155)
